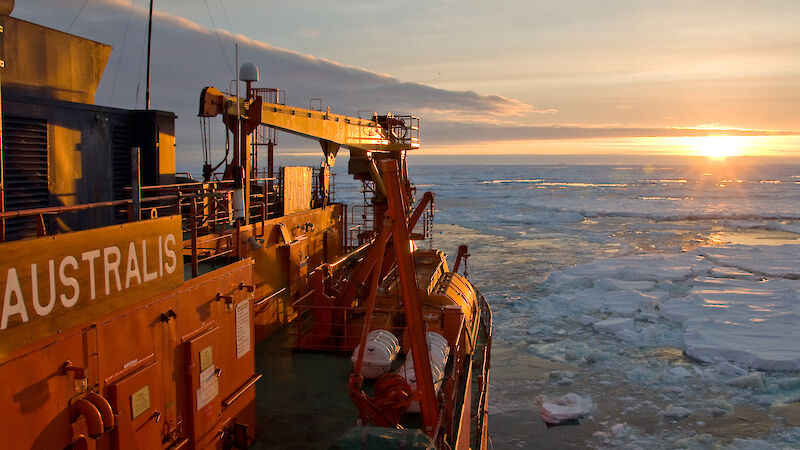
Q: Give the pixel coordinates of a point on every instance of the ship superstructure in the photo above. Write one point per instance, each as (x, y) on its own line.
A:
(143, 308)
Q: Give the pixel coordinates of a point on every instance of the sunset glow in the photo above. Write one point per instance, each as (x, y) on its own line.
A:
(718, 147)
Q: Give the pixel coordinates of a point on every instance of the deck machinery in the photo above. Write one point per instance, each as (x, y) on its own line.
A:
(142, 329)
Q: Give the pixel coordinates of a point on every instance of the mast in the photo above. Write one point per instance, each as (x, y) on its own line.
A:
(149, 39)
(2, 180)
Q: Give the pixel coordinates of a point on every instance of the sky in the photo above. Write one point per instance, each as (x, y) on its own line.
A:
(624, 77)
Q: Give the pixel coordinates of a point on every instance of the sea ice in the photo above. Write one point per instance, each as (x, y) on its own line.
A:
(773, 261)
(587, 320)
(616, 326)
(620, 429)
(652, 268)
(609, 284)
(647, 317)
(676, 412)
(727, 369)
(789, 383)
(676, 373)
(565, 280)
(700, 441)
(731, 272)
(628, 302)
(562, 378)
(715, 294)
(563, 351)
(749, 381)
(567, 407)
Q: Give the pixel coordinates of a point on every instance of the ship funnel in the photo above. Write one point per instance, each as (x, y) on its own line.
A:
(6, 6)
(248, 72)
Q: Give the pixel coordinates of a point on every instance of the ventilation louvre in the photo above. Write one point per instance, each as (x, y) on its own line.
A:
(25, 171)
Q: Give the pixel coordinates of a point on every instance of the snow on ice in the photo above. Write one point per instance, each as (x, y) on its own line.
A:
(564, 408)
(734, 303)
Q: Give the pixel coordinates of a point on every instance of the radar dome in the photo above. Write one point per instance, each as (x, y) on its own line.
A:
(248, 72)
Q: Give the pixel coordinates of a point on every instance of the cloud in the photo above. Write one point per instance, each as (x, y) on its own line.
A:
(187, 57)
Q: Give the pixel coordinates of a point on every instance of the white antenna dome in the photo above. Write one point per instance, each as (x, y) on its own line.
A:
(248, 72)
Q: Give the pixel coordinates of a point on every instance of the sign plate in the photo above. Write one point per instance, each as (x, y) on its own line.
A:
(140, 401)
(206, 358)
(242, 328)
(209, 387)
(53, 283)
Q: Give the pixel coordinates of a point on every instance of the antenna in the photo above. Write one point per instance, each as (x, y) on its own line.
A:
(149, 39)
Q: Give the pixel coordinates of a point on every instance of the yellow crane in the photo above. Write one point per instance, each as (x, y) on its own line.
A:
(377, 138)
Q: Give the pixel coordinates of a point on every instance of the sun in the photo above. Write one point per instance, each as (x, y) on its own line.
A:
(718, 147)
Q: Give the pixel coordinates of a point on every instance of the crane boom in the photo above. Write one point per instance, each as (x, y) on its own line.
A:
(381, 134)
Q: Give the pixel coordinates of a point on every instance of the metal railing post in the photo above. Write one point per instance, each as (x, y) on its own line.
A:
(136, 183)
(193, 225)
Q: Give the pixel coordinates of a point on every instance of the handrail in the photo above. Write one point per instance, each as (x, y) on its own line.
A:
(455, 376)
(268, 298)
(242, 389)
(203, 207)
(333, 265)
(81, 207)
(486, 319)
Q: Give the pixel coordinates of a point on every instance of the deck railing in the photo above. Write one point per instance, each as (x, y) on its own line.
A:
(206, 209)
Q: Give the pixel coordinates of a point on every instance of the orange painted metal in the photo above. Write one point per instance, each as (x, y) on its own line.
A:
(35, 392)
(202, 383)
(427, 198)
(94, 420)
(126, 367)
(463, 253)
(411, 300)
(463, 442)
(138, 399)
(58, 282)
(105, 410)
(373, 289)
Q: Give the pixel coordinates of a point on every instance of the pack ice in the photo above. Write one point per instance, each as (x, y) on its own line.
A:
(738, 303)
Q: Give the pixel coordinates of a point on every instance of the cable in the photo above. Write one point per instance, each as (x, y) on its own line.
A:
(77, 15)
(221, 47)
(141, 64)
(225, 13)
(121, 51)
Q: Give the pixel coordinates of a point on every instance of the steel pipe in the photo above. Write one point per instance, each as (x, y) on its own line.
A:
(105, 410)
(94, 420)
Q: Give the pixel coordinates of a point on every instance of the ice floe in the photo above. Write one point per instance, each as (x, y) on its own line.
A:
(772, 261)
(736, 303)
(676, 412)
(564, 408)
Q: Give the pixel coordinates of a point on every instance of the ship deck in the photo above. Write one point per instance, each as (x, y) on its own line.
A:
(302, 399)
